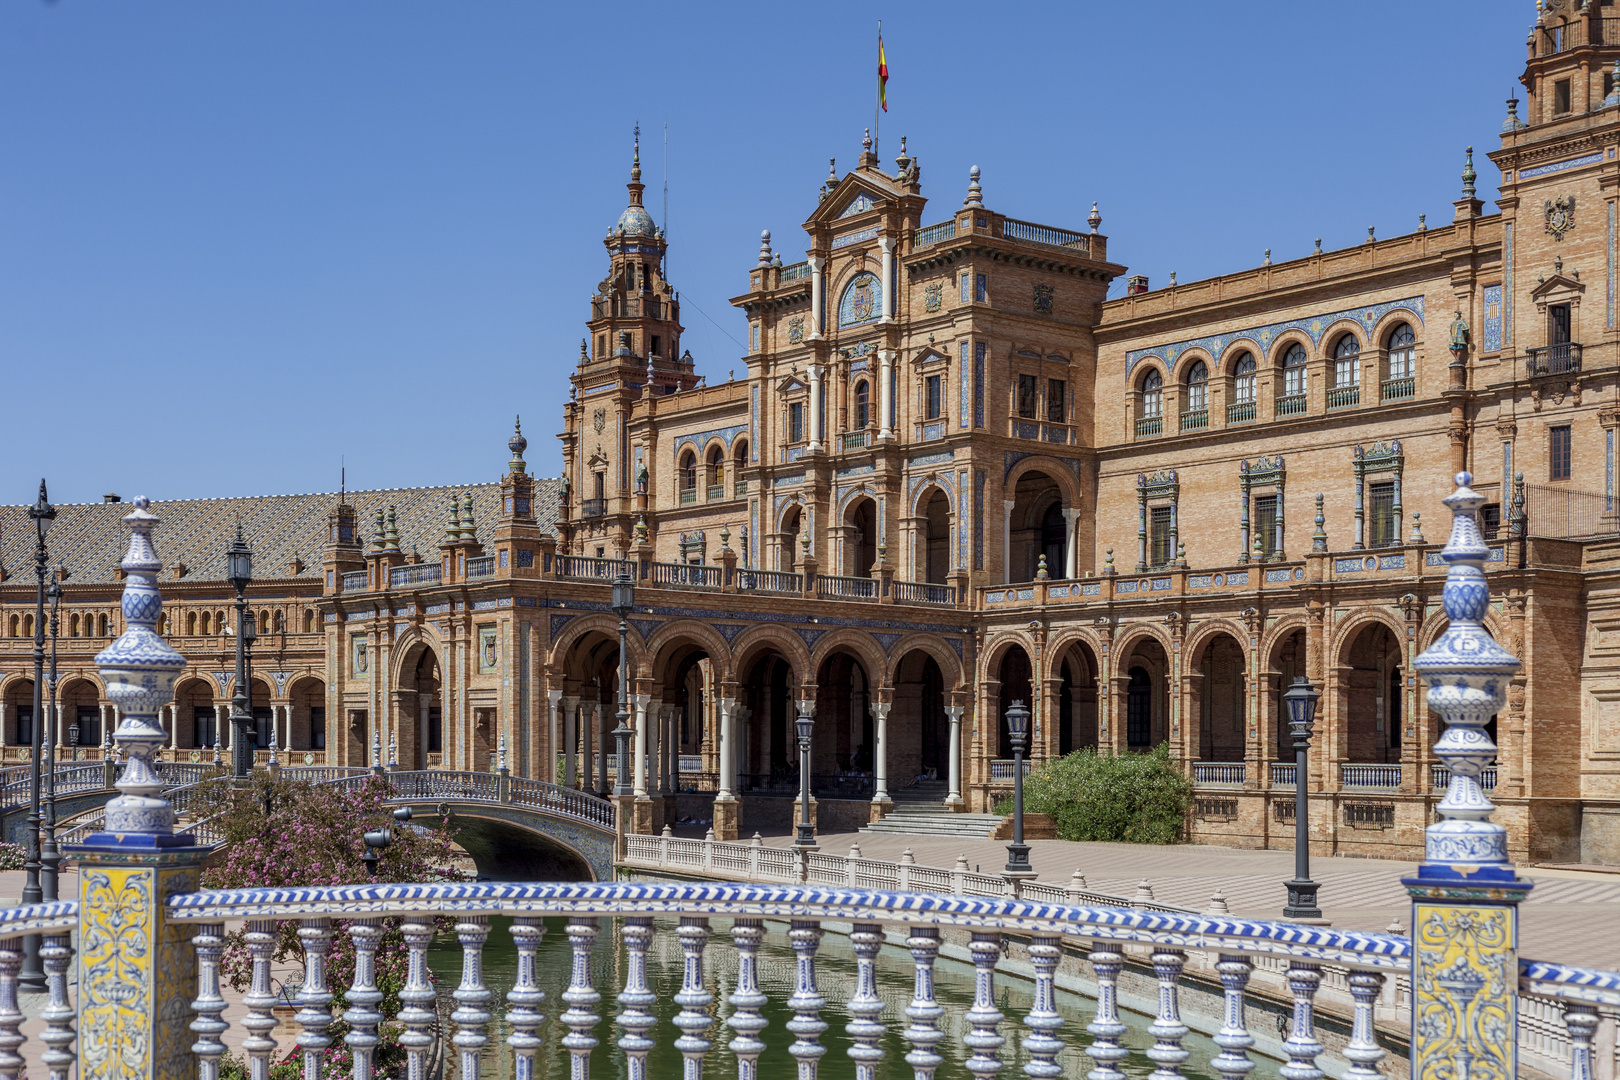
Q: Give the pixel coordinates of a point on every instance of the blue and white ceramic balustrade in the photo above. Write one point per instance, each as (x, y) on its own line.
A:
(139, 914)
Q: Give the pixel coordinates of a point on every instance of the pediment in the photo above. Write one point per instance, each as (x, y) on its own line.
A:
(855, 195)
(791, 384)
(1558, 285)
(930, 355)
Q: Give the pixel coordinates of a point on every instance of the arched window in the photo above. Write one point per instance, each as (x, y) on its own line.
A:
(191, 624)
(863, 404)
(309, 622)
(1402, 352)
(101, 624)
(281, 622)
(1294, 371)
(740, 455)
(1243, 373)
(689, 473)
(1152, 395)
(11, 630)
(1197, 387)
(717, 467)
(1346, 357)
(73, 626)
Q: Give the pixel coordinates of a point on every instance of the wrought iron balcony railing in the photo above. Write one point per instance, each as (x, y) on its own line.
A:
(1561, 359)
(592, 508)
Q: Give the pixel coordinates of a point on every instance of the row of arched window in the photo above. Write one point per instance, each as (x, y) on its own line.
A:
(73, 624)
(1290, 390)
(714, 471)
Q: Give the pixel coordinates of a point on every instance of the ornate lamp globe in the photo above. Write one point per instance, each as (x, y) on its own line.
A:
(1018, 721)
(239, 563)
(1300, 701)
(624, 594)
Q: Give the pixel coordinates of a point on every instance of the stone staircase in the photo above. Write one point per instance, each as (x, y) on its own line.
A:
(919, 811)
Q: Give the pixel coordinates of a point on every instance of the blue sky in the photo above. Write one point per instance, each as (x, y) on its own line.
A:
(242, 242)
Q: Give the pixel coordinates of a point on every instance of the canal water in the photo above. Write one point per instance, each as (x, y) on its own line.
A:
(835, 978)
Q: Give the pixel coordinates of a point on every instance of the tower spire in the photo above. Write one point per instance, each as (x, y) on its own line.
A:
(635, 160)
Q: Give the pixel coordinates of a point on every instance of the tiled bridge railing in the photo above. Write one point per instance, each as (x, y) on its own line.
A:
(1307, 959)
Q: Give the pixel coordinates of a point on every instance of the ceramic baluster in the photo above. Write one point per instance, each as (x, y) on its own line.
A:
(1581, 1021)
(1106, 1029)
(924, 1012)
(472, 996)
(1042, 1044)
(1363, 1050)
(1233, 1062)
(418, 1000)
(694, 998)
(1302, 1045)
(806, 1003)
(58, 1013)
(581, 998)
(864, 1028)
(1167, 1029)
(259, 1000)
(315, 1016)
(636, 1018)
(209, 941)
(984, 1018)
(11, 1017)
(746, 1019)
(362, 1015)
(523, 1015)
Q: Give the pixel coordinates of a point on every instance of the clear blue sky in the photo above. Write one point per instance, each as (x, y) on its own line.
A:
(242, 241)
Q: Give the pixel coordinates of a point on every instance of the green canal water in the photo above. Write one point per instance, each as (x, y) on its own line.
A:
(835, 978)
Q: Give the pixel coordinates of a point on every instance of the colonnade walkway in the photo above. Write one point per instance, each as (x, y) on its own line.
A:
(1570, 913)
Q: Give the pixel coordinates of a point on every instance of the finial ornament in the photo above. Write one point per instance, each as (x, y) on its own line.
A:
(635, 160)
(1319, 540)
(765, 247)
(1094, 219)
(517, 444)
(975, 194)
(1513, 123)
(139, 670)
(1467, 673)
(1469, 175)
(1613, 97)
(866, 141)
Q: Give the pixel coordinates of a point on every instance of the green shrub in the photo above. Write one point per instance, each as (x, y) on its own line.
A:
(1131, 798)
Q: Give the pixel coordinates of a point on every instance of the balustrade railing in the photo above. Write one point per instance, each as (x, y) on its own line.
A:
(1045, 234)
(1002, 769)
(1149, 425)
(715, 493)
(923, 592)
(482, 566)
(419, 574)
(795, 271)
(354, 581)
(685, 575)
(1219, 773)
(1282, 775)
(1195, 421)
(1342, 397)
(1370, 776)
(929, 235)
(584, 569)
(854, 440)
(772, 581)
(1397, 389)
(71, 778)
(840, 587)
(1240, 412)
(1440, 778)
(1291, 405)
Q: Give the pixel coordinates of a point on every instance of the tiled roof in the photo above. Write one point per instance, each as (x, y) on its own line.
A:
(90, 538)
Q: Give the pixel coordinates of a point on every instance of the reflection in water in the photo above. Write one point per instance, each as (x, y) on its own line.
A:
(835, 978)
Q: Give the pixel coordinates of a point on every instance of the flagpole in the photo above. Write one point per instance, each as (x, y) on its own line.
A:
(878, 100)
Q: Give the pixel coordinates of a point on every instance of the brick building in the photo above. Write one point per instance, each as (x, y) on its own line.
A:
(949, 474)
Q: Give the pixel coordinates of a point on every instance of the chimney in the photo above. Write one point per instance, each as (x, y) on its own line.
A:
(112, 497)
(1136, 283)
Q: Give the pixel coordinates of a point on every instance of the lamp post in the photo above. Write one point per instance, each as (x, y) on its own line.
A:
(43, 513)
(239, 572)
(805, 725)
(50, 857)
(1301, 701)
(1017, 733)
(376, 840)
(624, 601)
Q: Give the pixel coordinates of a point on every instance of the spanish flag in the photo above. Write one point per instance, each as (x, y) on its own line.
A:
(883, 77)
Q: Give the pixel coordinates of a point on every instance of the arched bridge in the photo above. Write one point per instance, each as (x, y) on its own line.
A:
(513, 828)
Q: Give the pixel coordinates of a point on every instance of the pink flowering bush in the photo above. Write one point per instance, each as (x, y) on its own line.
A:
(288, 833)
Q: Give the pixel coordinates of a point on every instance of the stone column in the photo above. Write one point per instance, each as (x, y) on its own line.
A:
(1006, 542)
(1071, 547)
(569, 706)
(886, 245)
(818, 286)
(222, 730)
(885, 395)
(816, 371)
(587, 720)
(881, 803)
(553, 703)
(604, 745)
(725, 800)
(953, 775)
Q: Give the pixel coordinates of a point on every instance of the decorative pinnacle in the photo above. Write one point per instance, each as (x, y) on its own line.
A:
(866, 142)
(975, 194)
(1469, 175)
(635, 161)
(1513, 123)
(1613, 97)
(517, 444)
(1319, 540)
(832, 171)
(1094, 219)
(765, 247)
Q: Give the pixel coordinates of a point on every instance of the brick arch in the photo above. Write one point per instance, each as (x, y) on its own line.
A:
(1272, 639)
(1127, 642)
(1273, 357)
(298, 678)
(1436, 623)
(1205, 633)
(1386, 322)
(1337, 329)
(672, 635)
(594, 622)
(1063, 476)
(787, 644)
(1060, 645)
(66, 679)
(1185, 360)
(1236, 348)
(859, 644)
(949, 663)
(1145, 365)
(788, 505)
(406, 646)
(925, 492)
(995, 650)
(1345, 634)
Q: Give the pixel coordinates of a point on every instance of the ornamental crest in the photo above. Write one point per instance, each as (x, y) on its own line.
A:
(599, 420)
(796, 329)
(863, 300)
(1043, 299)
(933, 297)
(1560, 215)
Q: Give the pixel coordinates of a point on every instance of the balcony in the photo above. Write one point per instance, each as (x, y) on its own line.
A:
(840, 587)
(581, 568)
(354, 581)
(592, 508)
(1045, 234)
(1240, 412)
(483, 566)
(1343, 397)
(1397, 389)
(688, 496)
(685, 575)
(1002, 769)
(772, 581)
(1561, 359)
(739, 489)
(715, 493)
(855, 440)
(1291, 405)
(1219, 773)
(1195, 421)
(795, 272)
(922, 592)
(1282, 774)
(1440, 778)
(1148, 426)
(934, 234)
(420, 574)
(1364, 777)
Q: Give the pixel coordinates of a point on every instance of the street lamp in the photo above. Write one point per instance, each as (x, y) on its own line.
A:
(805, 724)
(377, 839)
(624, 601)
(50, 857)
(239, 572)
(1301, 700)
(43, 513)
(1017, 734)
